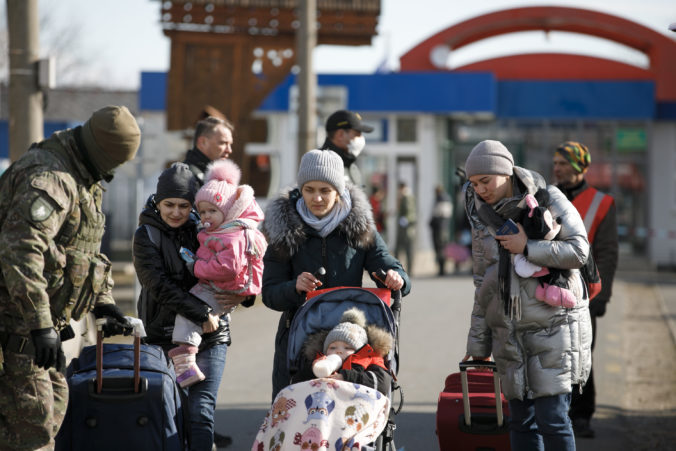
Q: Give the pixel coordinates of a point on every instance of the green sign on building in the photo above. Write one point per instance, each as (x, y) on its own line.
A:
(630, 139)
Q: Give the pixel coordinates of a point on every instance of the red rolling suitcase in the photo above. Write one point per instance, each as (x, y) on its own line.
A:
(470, 415)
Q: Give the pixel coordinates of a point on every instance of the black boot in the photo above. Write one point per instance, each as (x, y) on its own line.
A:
(222, 441)
(581, 428)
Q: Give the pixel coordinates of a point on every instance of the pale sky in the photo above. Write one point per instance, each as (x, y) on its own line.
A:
(117, 39)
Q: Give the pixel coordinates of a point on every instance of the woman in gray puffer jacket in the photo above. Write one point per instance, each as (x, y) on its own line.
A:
(540, 350)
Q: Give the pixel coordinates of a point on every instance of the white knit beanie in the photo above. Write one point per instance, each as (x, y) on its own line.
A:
(489, 157)
(324, 166)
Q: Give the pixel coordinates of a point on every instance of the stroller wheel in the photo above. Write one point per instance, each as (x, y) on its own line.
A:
(385, 446)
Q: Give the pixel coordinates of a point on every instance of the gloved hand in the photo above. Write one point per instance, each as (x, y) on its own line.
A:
(47, 344)
(116, 323)
(597, 307)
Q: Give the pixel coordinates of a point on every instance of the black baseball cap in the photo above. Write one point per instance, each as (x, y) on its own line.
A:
(347, 120)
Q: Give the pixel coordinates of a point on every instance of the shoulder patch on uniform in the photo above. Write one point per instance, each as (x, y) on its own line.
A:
(41, 209)
(54, 188)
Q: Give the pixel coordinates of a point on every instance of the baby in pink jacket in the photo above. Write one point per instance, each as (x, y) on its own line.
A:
(229, 259)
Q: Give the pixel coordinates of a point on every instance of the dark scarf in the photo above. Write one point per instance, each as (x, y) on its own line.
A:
(494, 217)
(572, 191)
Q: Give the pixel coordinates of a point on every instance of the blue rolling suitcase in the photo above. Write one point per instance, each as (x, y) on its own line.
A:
(122, 397)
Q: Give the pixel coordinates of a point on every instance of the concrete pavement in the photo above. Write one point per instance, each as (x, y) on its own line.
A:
(434, 325)
(432, 341)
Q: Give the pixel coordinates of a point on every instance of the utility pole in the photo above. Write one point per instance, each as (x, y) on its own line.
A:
(25, 98)
(306, 40)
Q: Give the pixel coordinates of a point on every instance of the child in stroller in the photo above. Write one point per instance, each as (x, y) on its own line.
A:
(351, 351)
(349, 408)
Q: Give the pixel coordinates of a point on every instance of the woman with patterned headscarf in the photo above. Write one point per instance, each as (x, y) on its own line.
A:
(571, 161)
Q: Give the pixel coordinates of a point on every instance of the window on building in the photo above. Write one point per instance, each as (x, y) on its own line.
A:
(407, 130)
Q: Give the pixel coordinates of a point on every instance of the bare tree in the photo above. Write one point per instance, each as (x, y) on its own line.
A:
(75, 65)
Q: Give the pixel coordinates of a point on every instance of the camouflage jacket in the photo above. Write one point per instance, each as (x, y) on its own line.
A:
(51, 225)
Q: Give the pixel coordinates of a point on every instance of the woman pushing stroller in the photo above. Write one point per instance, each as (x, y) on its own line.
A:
(320, 223)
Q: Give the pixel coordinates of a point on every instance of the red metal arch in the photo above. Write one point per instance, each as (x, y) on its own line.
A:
(660, 49)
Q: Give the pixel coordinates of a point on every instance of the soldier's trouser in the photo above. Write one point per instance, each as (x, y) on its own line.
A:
(32, 404)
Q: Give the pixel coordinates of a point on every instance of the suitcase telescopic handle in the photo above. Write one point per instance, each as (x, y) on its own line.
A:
(99, 357)
(465, 388)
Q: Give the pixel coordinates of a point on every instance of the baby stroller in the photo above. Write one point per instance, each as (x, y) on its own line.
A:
(323, 310)
(326, 414)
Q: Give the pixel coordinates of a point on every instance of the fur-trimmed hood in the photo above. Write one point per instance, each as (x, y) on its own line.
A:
(286, 231)
(379, 339)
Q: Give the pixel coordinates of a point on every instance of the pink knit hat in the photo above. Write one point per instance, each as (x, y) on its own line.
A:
(222, 189)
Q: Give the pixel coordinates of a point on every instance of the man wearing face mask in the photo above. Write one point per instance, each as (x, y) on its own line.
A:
(344, 136)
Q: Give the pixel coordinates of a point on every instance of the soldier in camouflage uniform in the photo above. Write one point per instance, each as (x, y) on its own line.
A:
(51, 224)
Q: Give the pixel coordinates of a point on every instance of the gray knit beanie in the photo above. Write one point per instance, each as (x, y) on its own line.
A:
(351, 330)
(324, 166)
(489, 157)
(177, 181)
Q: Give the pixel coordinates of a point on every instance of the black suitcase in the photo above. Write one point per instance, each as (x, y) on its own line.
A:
(122, 397)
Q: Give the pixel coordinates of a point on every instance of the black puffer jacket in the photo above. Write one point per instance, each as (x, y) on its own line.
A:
(198, 163)
(165, 280)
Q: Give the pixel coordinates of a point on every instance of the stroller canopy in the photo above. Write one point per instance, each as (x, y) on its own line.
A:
(324, 311)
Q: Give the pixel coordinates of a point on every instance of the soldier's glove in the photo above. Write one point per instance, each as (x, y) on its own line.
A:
(47, 344)
(116, 323)
(597, 307)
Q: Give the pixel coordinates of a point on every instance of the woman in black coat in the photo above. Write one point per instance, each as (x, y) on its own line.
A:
(320, 223)
(166, 224)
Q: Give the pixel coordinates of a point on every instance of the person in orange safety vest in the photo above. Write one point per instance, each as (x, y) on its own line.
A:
(597, 209)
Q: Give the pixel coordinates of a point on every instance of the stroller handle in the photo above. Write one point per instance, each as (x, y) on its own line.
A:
(396, 294)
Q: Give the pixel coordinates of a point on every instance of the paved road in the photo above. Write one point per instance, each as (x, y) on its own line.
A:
(432, 341)
(433, 331)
